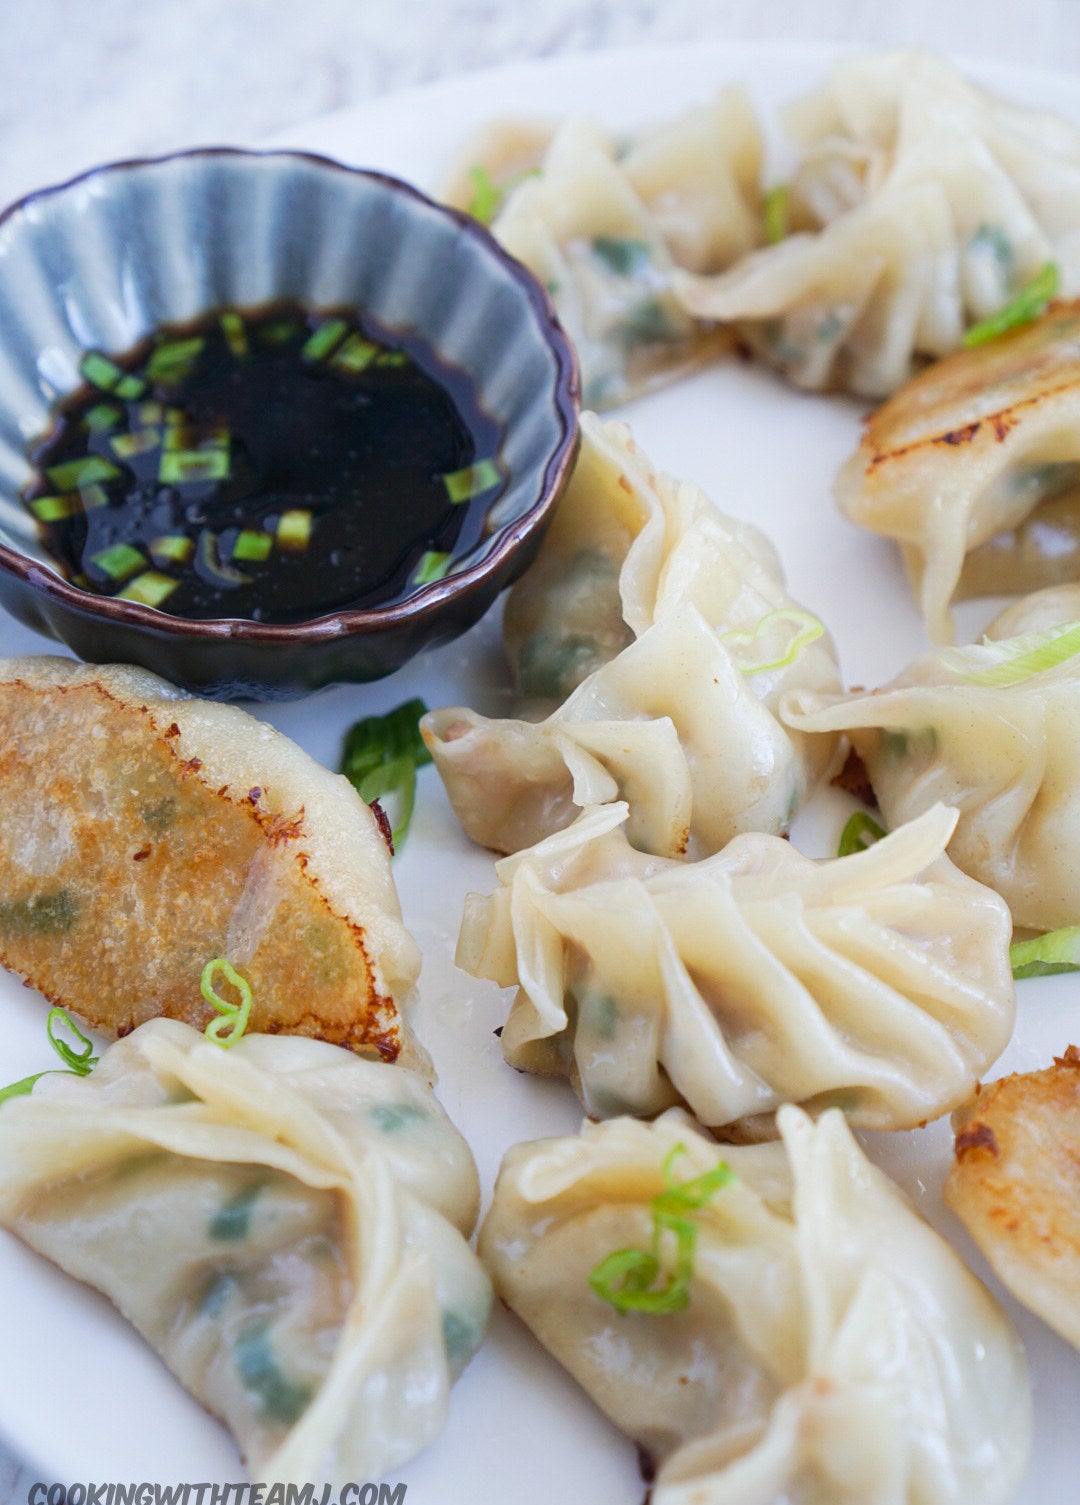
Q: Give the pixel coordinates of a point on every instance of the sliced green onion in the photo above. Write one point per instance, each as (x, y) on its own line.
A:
(235, 333)
(392, 358)
(149, 588)
(474, 480)
(324, 339)
(252, 545)
(102, 417)
(1057, 951)
(53, 509)
(72, 475)
(119, 562)
(294, 530)
(380, 757)
(860, 832)
(172, 548)
(622, 254)
(433, 566)
(277, 334)
(487, 195)
(172, 361)
(150, 414)
(1010, 661)
(234, 1017)
(78, 1061)
(627, 1278)
(127, 445)
(1026, 306)
(210, 562)
(101, 372)
(356, 354)
(776, 213)
(808, 630)
(187, 466)
(92, 497)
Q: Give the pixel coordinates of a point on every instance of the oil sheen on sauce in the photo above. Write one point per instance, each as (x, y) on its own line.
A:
(275, 464)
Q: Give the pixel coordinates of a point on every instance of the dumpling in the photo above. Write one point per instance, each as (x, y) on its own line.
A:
(992, 730)
(284, 1222)
(1013, 1186)
(604, 228)
(974, 468)
(879, 982)
(668, 628)
(811, 1339)
(143, 832)
(922, 204)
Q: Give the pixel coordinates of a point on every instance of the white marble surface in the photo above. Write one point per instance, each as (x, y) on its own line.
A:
(83, 81)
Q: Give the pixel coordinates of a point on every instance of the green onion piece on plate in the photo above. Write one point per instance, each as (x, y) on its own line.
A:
(53, 509)
(627, 1278)
(776, 213)
(1057, 951)
(432, 566)
(1023, 309)
(474, 480)
(252, 545)
(79, 1059)
(149, 588)
(72, 475)
(807, 630)
(294, 530)
(1010, 661)
(380, 757)
(323, 340)
(861, 831)
(233, 1018)
(119, 562)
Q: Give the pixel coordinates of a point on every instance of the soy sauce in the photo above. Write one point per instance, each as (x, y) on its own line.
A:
(274, 464)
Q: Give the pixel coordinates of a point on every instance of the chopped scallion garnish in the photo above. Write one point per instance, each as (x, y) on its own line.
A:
(392, 358)
(53, 509)
(149, 588)
(119, 562)
(294, 530)
(356, 354)
(1010, 661)
(433, 566)
(474, 480)
(234, 1017)
(186, 466)
(172, 548)
(101, 372)
(627, 1278)
(235, 333)
(103, 417)
(137, 443)
(324, 339)
(807, 630)
(173, 360)
(72, 475)
(1057, 951)
(92, 497)
(380, 757)
(78, 1060)
(487, 195)
(776, 213)
(1023, 309)
(150, 414)
(861, 831)
(252, 545)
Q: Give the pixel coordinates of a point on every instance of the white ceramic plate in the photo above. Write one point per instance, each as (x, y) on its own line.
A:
(80, 1395)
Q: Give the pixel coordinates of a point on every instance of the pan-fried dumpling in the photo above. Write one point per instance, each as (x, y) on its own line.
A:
(668, 628)
(974, 468)
(992, 730)
(879, 982)
(143, 832)
(1013, 1185)
(284, 1222)
(815, 1342)
(922, 205)
(604, 229)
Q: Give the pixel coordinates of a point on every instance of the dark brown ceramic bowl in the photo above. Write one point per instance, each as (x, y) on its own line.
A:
(100, 262)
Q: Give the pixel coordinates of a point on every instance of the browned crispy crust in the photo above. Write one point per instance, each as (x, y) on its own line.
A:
(1015, 1184)
(148, 872)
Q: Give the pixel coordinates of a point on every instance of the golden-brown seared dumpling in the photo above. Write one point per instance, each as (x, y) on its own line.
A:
(144, 832)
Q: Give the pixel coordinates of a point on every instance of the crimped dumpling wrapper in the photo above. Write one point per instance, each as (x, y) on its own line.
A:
(878, 982)
(283, 1221)
(834, 1350)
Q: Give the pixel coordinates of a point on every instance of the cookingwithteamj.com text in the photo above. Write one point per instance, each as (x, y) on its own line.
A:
(215, 1494)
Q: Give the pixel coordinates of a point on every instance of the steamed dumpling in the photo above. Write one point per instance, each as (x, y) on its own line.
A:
(987, 730)
(878, 982)
(143, 832)
(974, 468)
(831, 1350)
(604, 229)
(667, 628)
(921, 205)
(283, 1221)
